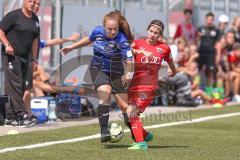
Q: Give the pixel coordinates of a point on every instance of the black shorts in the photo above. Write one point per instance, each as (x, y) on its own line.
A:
(207, 60)
(100, 78)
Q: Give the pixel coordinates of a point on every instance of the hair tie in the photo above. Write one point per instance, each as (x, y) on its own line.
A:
(156, 26)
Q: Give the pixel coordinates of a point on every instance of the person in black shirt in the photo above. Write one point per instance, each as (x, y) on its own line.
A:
(208, 36)
(19, 34)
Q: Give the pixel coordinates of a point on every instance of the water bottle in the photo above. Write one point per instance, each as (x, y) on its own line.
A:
(52, 108)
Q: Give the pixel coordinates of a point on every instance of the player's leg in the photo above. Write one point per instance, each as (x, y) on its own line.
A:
(137, 129)
(122, 102)
(139, 100)
(101, 82)
(104, 93)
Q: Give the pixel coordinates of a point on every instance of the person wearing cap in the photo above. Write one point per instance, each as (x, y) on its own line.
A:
(222, 24)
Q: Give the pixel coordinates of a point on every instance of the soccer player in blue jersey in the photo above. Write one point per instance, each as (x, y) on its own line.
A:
(111, 65)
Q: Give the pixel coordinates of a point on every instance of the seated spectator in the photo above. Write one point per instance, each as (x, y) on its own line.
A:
(43, 43)
(234, 74)
(182, 54)
(236, 28)
(42, 86)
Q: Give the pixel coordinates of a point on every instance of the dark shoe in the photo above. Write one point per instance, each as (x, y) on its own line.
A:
(27, 121)
(11, 122)
(105, 136)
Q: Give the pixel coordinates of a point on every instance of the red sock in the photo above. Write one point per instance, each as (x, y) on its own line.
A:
(137, 127)
(145, 133)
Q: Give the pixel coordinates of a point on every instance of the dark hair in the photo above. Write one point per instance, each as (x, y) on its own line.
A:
(229, 32)
(236, 46)
(209, 14)
(123, 24)
(157, 23)
(187, 10)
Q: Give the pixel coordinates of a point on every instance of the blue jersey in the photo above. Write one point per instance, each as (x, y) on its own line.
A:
(105, 49)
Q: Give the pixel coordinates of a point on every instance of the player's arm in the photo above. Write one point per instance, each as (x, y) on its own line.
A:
(136, 50)
(168, 58)
(81, 43)
(58, 41)
(140, 51)
(128, 67)
(128, 61)
(173, 68)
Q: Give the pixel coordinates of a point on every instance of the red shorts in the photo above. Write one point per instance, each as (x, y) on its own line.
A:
(141, 96)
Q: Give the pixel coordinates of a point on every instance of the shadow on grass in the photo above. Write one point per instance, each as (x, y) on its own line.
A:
(113, 146)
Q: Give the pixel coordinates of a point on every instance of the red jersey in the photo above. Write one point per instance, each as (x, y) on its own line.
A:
(232, 58)
(188, 31)
(146, 70)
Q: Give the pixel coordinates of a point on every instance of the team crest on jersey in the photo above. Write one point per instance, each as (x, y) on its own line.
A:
(142, 96)
(159, 50)
(111, 44)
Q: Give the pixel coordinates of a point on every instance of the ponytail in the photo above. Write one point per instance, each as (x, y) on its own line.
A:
(123, 24)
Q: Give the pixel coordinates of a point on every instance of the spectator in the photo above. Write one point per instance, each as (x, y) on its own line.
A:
(234, 75)
(236, 28)
(19, 33)
(182, 54)
(44, 77)
(208, 36)
(222, 24)
(186, 29)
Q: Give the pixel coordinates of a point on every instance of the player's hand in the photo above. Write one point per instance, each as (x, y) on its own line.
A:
(171, 74)
(147, 54)
(34, 65)
(65, 50)
(9, 49)
(126, 78)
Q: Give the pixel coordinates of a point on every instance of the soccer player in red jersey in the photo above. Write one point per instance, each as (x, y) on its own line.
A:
(145, 79)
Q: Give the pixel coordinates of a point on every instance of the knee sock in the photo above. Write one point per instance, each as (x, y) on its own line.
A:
(137, 128)
(127, 123)
(145, 133)
(103, 116)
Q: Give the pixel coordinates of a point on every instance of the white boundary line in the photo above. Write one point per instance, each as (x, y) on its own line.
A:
(39, 145)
